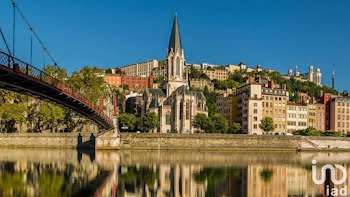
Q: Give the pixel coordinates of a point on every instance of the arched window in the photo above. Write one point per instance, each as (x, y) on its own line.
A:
(178, 66)
(187, 110)
(171, 66)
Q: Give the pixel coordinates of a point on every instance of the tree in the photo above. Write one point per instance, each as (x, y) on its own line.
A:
(237, 76)
(310, 131)
(56, 72)
(267, 124)
(109, 71)
(149, 121)
(211, 101)
(127, 120)
(220, 124)
(201, 121)
(235, 128)
(12, 113)
(160, 81)
(88, 82)
(51, 115)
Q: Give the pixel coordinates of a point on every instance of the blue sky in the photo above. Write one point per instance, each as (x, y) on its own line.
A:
(276, 34)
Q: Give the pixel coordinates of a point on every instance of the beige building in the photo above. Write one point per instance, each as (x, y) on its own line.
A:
(218, 74)
(311, 115)
(249, 108)
(201, 84)
(255, 101)
(339, 114)
(161, 70)
(143, 69)
(232, 68)
(297, 116)
(320, 117)
(175, 104)
(225, 106)
(274, 105)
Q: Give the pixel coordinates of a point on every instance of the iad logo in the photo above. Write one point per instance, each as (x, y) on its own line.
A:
(334, 191)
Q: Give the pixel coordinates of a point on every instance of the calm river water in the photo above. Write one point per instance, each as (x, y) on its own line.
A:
(57, 172)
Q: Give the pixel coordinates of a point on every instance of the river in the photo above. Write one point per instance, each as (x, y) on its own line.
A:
(67, 172)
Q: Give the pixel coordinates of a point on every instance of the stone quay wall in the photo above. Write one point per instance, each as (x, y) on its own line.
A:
(154, 141)
(42, 140)
(140, 141)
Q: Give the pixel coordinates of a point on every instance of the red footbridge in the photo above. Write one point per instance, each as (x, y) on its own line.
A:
(21, 77)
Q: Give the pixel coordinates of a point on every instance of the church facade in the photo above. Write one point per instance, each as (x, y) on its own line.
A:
(175, 104)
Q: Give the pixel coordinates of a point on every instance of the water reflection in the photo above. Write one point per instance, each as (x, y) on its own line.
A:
(46, 172)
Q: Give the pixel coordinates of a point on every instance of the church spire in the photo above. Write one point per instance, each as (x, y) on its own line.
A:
(175, 39)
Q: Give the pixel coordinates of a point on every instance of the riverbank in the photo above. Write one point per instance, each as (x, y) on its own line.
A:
(226, 142)
(154, 141)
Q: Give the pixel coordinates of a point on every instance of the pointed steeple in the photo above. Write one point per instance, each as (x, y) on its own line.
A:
(175, 39)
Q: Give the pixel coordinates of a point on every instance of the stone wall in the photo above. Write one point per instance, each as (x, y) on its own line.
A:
(53, 140)
(231, 142)
(143, 141)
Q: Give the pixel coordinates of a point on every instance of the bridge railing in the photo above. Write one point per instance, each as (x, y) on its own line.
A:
(22, 67)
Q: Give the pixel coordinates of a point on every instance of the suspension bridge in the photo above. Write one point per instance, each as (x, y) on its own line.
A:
(19, 76)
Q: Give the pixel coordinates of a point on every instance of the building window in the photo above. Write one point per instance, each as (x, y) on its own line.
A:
(171, 66)
(187, 110)
(255, 111)
(178, 66)
(181, 109)
(167, 119)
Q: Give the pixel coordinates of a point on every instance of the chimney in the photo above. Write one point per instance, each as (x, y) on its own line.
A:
(271, 84)
(284, 86)
(250, 80)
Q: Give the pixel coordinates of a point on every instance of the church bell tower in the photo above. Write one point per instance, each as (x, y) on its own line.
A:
(175, 61)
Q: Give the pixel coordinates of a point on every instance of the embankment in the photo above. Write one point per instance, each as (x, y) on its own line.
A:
(232, 142)
(149, 141)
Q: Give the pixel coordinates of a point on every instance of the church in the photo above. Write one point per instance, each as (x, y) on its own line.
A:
(175, 104)
(312, 76)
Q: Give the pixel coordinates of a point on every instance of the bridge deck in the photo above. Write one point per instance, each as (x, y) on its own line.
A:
(18, 76)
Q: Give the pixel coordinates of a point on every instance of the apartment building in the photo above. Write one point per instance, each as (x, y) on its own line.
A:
(160, 71)
(134, 83)
(249, 108)
(113, 80)
(274, 105)
(339, 114)
(226, 106)
(201, 84)
(296, 116)
(143, 69)
(320, 117)
(218, 74)
(311, 115)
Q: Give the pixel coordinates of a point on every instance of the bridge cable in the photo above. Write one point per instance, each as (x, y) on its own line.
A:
(7, 46)
(32, 30)
(31, 46)
(14, 28)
